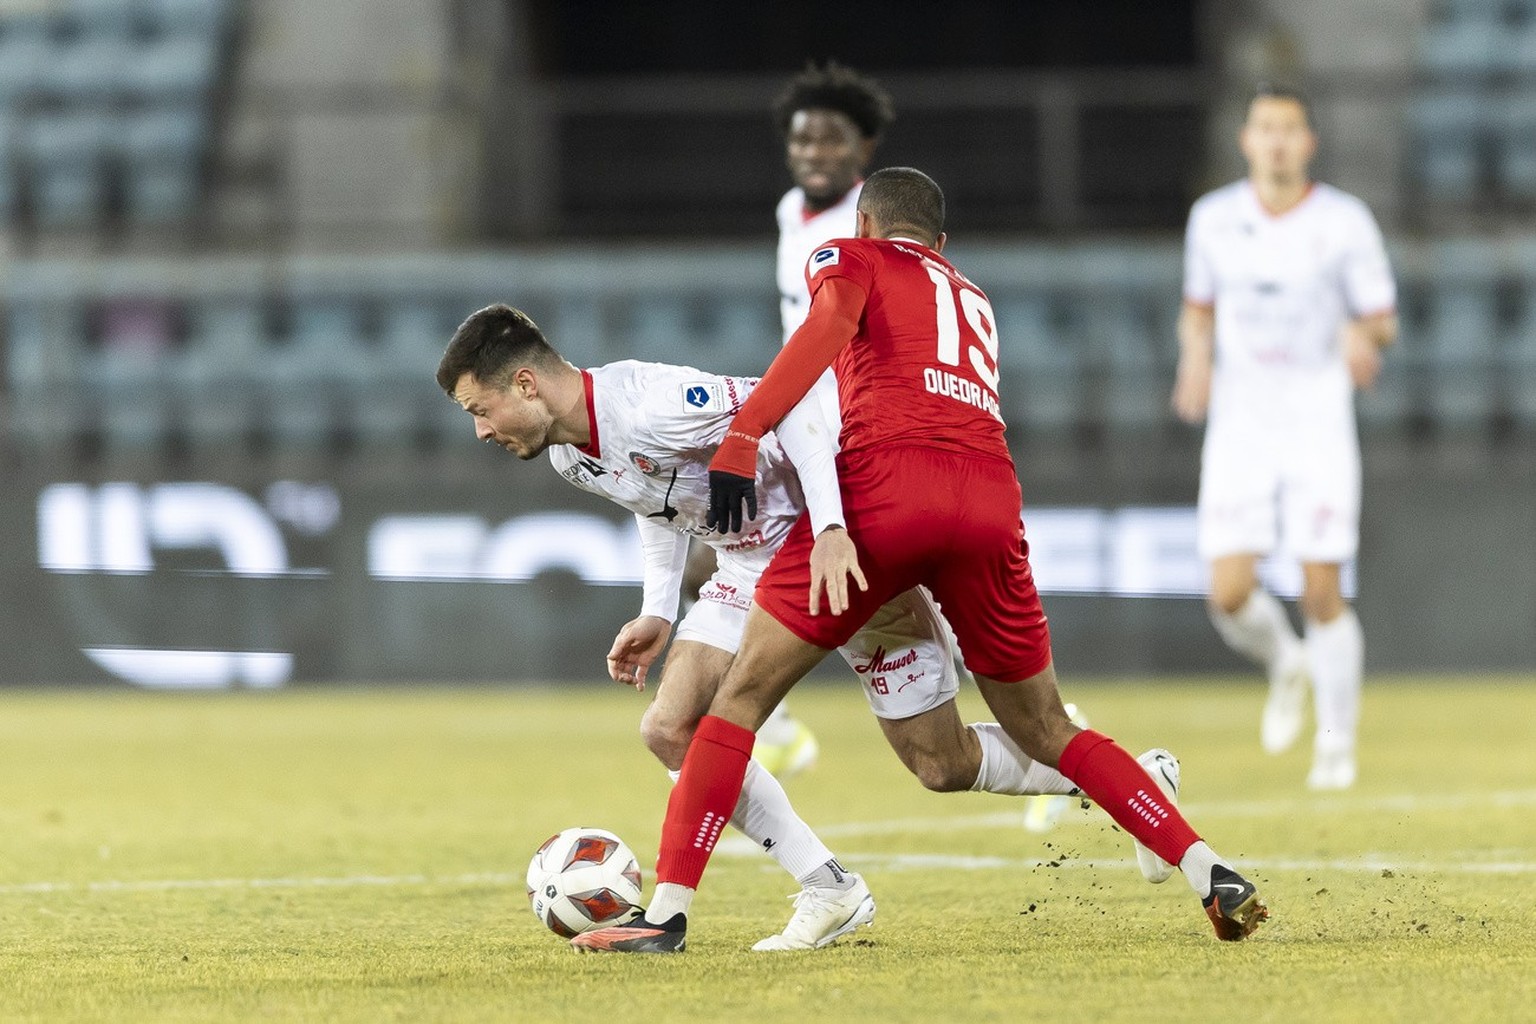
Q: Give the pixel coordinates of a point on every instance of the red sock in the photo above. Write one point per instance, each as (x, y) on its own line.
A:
(1112, 779)
(703, 799)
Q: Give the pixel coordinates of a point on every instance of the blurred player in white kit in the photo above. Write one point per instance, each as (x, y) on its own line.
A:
(1288, 303)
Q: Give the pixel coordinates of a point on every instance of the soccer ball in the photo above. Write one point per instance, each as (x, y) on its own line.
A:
(581, 879)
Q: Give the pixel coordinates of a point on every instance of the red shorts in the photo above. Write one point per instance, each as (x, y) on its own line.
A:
(923, 516)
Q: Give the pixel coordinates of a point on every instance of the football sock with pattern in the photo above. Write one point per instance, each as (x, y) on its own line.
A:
(703, 799)
(1336, 658)
(765, 816)
(1259, 629)
(1008, 770)
(1112, 779)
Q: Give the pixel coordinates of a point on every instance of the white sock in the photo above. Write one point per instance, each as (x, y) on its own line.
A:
(1007, 769)
(1336, 656)
(1196, 865)
(779, 728)
(1259, 629)
(764, 815)
(668, 899)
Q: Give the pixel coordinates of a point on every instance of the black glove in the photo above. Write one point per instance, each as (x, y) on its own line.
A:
(726, 492)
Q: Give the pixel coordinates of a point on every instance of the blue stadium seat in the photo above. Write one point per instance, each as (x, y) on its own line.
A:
(393, 394)
(1461, 336)
(658, 330)
(46, 341)
(1040, 366)
(1519, 355)
(745, 333)
(63, 156)
(1449, 128)
(101, 17)
(214, 376)
(162, 152)
(172, 67)
(85, 70)
(132, 396)
(1516, 167)
(305, 376)
(7, 170)
(1465, 48)
(206, 17)
(23, 53)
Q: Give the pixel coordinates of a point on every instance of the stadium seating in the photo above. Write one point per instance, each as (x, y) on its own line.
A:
(107, 104)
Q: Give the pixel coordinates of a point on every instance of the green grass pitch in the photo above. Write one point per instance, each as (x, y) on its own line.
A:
(358, 855)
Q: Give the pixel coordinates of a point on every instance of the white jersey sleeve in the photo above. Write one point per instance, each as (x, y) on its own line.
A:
(665, 552)
(1199, 277)
(1368, 285)
(811, 444)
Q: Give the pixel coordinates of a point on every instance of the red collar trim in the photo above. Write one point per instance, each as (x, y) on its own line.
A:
(594, 446)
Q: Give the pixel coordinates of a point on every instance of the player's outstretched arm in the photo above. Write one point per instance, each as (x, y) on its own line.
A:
(830, 325)
(834, 560)
(636, 648)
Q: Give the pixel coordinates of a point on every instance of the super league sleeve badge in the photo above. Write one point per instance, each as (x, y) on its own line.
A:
(822, 258)
(703, 396)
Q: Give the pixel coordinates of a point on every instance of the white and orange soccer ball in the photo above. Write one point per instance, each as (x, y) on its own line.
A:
(584, 878)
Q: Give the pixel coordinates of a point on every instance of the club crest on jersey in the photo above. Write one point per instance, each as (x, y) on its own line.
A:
(645, 464)
(823, 258)
(705, 396)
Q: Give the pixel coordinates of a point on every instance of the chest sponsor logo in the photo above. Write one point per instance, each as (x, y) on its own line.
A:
(823, 258)
(704, 396)
(644, 463)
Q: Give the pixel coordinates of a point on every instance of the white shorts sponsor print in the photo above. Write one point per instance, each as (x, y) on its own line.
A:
(901, 656)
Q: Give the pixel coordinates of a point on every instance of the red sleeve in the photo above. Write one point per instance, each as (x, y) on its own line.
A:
(832, 322)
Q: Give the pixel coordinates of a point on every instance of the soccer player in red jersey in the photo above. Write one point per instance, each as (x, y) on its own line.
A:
(930, 497)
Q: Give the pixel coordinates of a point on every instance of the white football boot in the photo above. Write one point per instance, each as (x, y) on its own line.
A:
(1331, 770)
(822, 916)
(1164, 769)
(1042, 812)
(1289, 683)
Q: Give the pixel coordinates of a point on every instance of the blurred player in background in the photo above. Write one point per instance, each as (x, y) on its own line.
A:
(931, 497)
(641, 435)
(1288, 303)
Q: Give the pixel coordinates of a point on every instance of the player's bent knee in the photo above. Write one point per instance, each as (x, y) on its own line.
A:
(943, 776)
(665, 737)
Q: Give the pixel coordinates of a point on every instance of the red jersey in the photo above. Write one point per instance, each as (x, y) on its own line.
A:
(922, 369)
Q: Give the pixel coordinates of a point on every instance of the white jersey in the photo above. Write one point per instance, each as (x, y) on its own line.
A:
(801, 234)
(1284, 286)
(1281, 456)
(654, 429)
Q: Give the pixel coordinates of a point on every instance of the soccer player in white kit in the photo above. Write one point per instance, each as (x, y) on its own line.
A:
(1288, 303)
(641, 435)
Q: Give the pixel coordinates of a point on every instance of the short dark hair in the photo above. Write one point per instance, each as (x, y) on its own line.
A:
(831, 86)
(491, 344)
(904, 197)
(1270, 90)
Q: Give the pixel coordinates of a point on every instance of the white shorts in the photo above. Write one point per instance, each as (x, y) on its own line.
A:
(901, 656)
(1296, 489)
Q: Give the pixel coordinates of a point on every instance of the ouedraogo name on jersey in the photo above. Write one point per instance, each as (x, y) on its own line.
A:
(924, 323)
